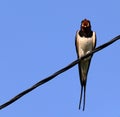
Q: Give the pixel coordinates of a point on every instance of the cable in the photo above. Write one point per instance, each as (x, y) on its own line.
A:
(57, 73)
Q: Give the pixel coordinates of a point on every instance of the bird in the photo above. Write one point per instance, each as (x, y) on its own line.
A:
(85, 42)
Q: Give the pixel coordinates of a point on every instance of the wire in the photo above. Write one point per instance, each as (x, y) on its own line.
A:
(57, 73)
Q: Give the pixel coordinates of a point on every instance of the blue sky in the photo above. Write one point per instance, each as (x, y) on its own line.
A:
(37, 39)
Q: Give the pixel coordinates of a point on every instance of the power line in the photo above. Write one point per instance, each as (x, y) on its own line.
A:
(57, 73)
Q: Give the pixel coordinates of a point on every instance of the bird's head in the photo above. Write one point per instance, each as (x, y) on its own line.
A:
(85, 25)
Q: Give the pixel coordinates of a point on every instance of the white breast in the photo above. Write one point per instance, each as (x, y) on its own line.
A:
(85, 45)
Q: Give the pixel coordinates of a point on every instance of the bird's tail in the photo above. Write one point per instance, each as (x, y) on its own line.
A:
(83, 87)
(84, 97)
(81, 96)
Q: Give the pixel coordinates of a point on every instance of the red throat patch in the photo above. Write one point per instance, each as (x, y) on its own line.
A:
(85, 24)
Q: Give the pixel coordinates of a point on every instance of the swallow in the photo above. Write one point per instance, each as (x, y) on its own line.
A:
(85, 42)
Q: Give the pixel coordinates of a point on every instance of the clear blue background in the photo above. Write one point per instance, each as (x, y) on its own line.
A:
(37, 39)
